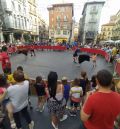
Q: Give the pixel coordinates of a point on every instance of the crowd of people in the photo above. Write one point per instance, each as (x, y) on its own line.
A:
(97, 99)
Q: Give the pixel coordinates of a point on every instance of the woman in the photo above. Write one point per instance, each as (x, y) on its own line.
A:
(40, 90)
(56, 101)
(18, 95)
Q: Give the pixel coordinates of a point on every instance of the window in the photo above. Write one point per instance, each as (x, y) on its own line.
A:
(58, 18)
(65, 18)
(25, 22)
(58, 32)
(19, 8)
(15, 21)
(64, 32)
(58, 25)
(13, 6)
(65, 25)
(19, 22)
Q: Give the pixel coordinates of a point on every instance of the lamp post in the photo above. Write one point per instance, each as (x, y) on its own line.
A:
(1, 22)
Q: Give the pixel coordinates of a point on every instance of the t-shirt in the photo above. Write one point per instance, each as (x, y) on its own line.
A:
(11, 79)
(40, 89)
(103, 109)
(66, 91)
(83, 84)
(5, 60)
(18, 94)
(76, 92)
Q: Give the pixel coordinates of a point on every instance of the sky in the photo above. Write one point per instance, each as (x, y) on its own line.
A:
(111, 7)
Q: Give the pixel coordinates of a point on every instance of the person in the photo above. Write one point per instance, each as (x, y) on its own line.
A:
(10, 77)
(56, 102)
(66, 89)
(6, 103)
(75, 54)
(32, 51)
(101, 108)
(93, 82)
(83, 82)
(41, 93)
(4, 58)
(18, 95)
(94, 57)
(76, 93)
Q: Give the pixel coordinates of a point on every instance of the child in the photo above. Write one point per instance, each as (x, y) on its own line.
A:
(66, 88)
(84, 82)
(94, 56)
(6, 102)
(76, 93)
(93, 82)
(40, 89)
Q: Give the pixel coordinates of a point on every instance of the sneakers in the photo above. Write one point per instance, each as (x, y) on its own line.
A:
(55, 127)
(13, 124)
(42, 109)
(64, 118)
(31, 125)
(72, 113)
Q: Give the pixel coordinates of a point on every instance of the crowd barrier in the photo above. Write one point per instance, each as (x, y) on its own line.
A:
(58, 48)
(63, 48)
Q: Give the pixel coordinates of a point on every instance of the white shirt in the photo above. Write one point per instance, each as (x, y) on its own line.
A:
(18, 95)
(76, 92)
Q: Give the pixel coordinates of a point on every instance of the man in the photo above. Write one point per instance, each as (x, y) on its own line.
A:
(102, 107)
(4, 58)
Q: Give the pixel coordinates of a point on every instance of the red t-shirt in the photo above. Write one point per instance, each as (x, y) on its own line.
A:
(4, 58)
(103, 109)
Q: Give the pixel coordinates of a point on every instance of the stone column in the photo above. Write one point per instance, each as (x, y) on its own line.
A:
(11, 38)
(1, 35)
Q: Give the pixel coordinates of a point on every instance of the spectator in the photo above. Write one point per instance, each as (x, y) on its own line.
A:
(102, 107)
(56, 101)
(40, 90)
(93, 82)
(6, 103)
(76, 93)
(94, 57)
(66, 88)
(84, 82)
(18, 95)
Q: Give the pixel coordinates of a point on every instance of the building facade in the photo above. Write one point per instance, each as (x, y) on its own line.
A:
(34, 19)
(43, 31)
(116, 28)
(90, 21)
(15, 20)
(61, 22)
(107, 32)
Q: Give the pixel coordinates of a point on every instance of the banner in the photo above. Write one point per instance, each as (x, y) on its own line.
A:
(58, 48)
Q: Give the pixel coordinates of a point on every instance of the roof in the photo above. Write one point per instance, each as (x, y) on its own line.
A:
(61, 5)
(93, 2)
(108, 24)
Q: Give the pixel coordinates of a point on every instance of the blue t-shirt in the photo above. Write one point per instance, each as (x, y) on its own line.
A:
(66, 91)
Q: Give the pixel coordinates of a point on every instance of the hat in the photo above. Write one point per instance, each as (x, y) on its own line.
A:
(64, 78)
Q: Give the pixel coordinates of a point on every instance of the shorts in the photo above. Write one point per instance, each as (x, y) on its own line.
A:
(74, 104)
(5, 102)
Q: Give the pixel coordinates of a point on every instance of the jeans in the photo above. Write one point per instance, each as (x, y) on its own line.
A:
(82, 125)
(25, 114)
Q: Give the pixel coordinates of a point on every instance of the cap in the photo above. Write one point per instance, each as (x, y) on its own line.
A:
(64, 78)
